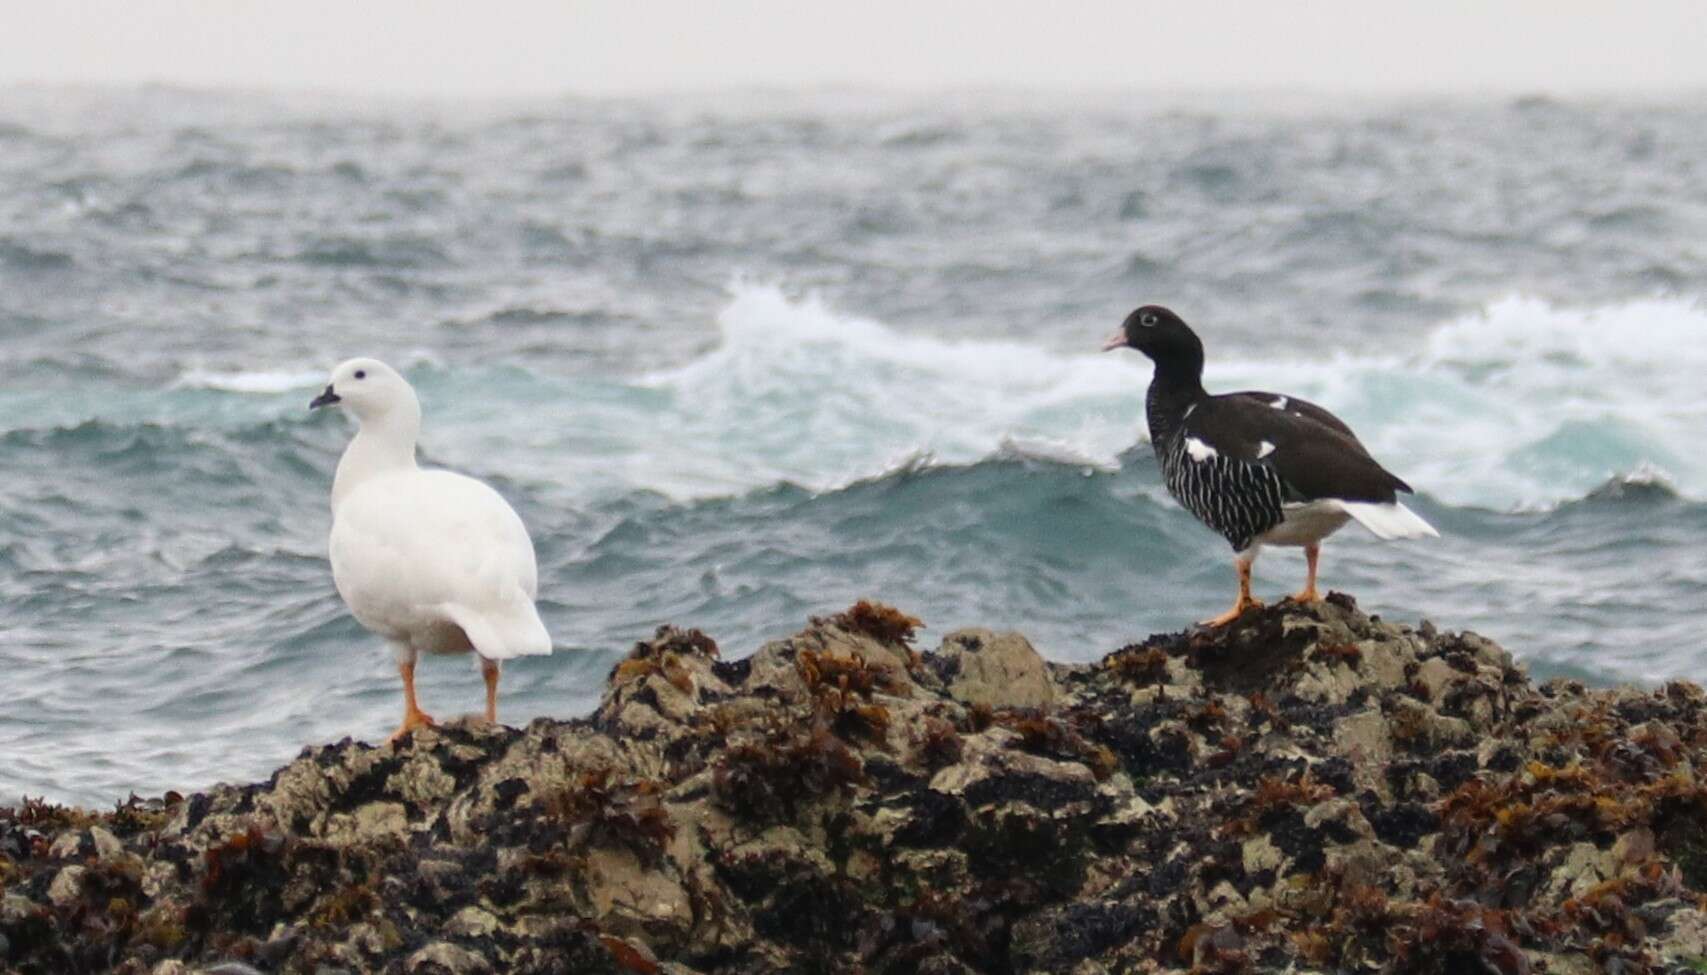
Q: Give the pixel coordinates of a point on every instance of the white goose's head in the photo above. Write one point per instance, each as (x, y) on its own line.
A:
(370, 390)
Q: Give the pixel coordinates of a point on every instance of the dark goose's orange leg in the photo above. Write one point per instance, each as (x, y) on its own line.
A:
(1243, 564)
(1309, 594)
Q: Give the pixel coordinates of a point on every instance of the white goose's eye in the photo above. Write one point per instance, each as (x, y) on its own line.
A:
(361, 373)
(1148, 321)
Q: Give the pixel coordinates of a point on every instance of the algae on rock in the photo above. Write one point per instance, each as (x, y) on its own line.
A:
(1307, 789)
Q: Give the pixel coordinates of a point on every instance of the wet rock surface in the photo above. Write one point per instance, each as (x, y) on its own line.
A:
(1309, 789)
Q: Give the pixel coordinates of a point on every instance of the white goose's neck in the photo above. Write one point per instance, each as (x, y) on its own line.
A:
(385, 444)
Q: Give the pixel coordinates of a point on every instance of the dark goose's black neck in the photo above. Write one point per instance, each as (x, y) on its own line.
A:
(1177, 384)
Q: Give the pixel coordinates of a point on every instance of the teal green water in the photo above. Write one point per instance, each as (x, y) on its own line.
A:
(739, 364)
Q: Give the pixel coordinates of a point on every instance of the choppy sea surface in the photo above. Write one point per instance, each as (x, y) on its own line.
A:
(741, 360)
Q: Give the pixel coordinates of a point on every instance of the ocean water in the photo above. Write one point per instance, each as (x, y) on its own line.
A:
(742, 360)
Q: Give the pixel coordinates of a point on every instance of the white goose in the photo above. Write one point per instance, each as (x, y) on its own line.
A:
(430, 560)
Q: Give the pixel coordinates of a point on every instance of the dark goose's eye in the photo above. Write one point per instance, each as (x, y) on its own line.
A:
(361, 373)
(1147, 321)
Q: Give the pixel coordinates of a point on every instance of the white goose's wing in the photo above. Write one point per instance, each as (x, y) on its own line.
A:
(419, 547)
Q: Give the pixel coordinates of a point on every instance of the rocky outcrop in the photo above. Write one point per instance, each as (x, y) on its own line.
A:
(1309, 789)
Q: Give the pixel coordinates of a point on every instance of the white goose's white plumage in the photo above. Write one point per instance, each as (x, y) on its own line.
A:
(430, 560)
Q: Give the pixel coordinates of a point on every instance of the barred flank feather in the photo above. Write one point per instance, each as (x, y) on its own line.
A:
(1240, 500)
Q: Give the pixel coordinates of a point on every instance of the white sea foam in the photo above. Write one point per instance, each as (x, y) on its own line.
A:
(265, 381)
(1520, 406)
(798, 392)
(1523, 405)
(1648, 475)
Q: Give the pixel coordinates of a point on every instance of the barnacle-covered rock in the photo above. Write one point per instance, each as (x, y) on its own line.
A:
(1306, 790)
(998, 670)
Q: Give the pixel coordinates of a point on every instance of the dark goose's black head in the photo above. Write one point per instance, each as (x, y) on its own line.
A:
(1166, 339)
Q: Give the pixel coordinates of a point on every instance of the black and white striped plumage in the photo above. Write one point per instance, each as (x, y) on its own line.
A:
(1259, 468)
(1238, 499)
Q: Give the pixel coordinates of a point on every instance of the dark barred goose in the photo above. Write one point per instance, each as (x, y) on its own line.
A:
(1260, 468)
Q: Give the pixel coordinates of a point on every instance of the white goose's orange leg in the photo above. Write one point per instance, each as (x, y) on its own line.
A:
(413, 716)
(1243, 563)
(1309, 594)
(489, 670)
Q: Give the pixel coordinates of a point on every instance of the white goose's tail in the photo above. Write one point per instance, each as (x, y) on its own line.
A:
(511, 630)
(1389, 520)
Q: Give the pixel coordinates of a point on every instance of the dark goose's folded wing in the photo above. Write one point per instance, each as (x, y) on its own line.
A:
(1313, 452)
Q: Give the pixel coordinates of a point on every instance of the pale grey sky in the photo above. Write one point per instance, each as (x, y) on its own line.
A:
(515, 47)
